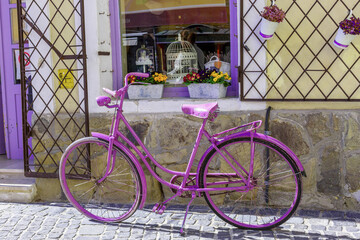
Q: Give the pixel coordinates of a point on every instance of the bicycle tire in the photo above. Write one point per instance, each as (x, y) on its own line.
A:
(275, 203)
(113, 200)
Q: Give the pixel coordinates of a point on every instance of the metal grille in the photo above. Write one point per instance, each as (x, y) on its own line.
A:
(54, 81)
(300, 63)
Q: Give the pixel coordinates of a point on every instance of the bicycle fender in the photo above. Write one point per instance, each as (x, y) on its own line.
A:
(259, 135)
(133, 159)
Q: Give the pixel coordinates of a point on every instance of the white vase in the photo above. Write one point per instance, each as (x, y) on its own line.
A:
(267, 28)
(150, 91)
(343, 40)
(207, 90)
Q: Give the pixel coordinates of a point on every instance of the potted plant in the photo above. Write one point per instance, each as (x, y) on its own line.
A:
(271, 17)
(147, 88)
(348, 30)
(207, 84)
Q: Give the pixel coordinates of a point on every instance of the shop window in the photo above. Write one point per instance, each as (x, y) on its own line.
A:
(148, 27)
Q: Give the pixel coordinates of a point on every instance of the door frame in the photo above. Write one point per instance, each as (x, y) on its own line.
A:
(11, 112)
(3, 82)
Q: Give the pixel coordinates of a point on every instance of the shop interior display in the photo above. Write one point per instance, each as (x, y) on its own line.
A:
(181, 58)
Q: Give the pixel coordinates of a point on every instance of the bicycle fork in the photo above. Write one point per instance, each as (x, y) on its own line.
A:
(110, 160)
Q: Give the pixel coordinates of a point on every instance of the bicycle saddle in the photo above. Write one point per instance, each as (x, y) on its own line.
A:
(199, 110)
(103, 100)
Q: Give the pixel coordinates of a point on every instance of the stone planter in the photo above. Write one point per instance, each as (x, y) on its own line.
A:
(343, 40)
(267, 29)
(207, 90)
(146, 91)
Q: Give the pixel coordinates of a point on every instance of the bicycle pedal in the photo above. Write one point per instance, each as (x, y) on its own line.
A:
(156, 206)
(162, 210)
(159, 208)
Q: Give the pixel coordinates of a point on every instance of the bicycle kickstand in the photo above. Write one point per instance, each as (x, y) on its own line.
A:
(193, 196)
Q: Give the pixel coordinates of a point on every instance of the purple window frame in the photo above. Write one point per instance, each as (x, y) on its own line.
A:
(232, 91)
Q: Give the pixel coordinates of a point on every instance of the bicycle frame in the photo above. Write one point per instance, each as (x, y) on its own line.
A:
(215, 140)
(116, 134)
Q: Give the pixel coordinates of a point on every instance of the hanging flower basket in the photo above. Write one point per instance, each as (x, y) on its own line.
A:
(347, 32)
(268, 28)
(271, 17)
(207, 84)
(153, 89)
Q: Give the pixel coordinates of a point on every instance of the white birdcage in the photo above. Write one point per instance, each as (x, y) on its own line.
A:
(181, 58)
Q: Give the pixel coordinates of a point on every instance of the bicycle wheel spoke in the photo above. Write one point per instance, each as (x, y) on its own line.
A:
(78, 185)
(87, 191)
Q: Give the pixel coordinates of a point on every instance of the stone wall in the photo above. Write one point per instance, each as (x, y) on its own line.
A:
(327, 143)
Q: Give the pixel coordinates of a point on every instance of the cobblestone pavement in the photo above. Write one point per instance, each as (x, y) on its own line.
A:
(61, 221)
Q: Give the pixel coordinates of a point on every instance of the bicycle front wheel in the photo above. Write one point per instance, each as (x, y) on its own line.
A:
(263, 201)
(113, 199)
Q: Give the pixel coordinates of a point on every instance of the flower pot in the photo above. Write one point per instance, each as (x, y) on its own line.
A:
(267, 28)
(146, 91)
(343, 40)
(207, 90)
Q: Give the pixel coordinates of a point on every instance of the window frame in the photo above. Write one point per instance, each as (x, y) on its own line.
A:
(181, 90)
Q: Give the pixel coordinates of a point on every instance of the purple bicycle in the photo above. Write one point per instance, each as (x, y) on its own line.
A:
(248, 179)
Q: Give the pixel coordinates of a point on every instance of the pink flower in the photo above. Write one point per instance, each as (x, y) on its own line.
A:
(273, 14)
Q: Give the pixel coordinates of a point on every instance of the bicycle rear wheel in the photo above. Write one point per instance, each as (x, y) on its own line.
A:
(83, 164)
(271, 197)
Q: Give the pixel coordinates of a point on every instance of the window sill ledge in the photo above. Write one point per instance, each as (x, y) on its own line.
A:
(173, 105)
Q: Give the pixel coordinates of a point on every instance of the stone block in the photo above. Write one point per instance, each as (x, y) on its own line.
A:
(352, 137)
(176, 133)
(353, 172)
(167, 158)
(221, 123)
(48, 189)
(330, 171)
(290, 134)
(317, 125)
(154, 190)
(100, 122)
(141, 129)
(310, 167)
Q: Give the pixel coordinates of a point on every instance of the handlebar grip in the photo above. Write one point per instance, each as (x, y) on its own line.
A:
(110, 92)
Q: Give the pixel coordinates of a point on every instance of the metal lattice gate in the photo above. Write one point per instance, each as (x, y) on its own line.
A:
(54, 81)
(300, 63)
